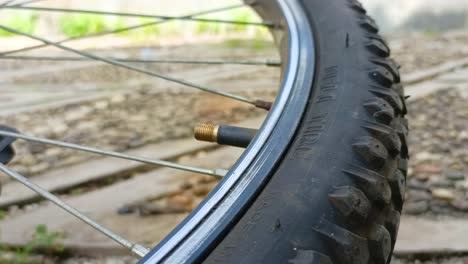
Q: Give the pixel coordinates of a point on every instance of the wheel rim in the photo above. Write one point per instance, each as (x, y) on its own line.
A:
(190, 241)
(205, 225)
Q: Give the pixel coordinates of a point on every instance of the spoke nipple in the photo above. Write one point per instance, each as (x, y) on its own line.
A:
(206, 132)
(139, 250)
(220, 173)
(263, 104)
(273, 63)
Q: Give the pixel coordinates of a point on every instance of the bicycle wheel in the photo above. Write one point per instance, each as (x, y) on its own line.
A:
(323, 181)
(332, 190)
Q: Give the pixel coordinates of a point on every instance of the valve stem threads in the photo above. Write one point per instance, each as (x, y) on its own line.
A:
(206, 132)
(225, 135)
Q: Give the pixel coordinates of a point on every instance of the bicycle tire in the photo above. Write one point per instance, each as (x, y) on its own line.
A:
(338, 193)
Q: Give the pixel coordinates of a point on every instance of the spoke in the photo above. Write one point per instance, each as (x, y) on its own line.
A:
(257, 103)
(82, 11)
(124, 29)
(217, 172)
(272, 63)
(6, 3)
(136, 249)
(28, 2)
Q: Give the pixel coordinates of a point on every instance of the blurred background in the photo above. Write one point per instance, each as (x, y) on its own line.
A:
(91, 103)
(432, 16)
(425, 16)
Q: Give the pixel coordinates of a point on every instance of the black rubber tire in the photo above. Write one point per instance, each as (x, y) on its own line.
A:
(339, 191)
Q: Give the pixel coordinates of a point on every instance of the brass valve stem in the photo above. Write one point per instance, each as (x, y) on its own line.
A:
(206, 132)
(225, 135)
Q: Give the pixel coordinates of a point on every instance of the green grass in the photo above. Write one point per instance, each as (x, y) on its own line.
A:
(193, 28)
(255, 44)
(232, 15)
(3, 214)
(42, 239)
(242, 15)
(84, 24)
(77, 25)
(431, 33)
(81, 24)
(147, 31)
(26, 23)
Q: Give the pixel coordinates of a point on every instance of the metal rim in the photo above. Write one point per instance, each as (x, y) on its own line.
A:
(224, 205)
(197, 233)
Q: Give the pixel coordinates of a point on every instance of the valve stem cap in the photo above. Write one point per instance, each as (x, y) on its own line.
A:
(206, 132)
